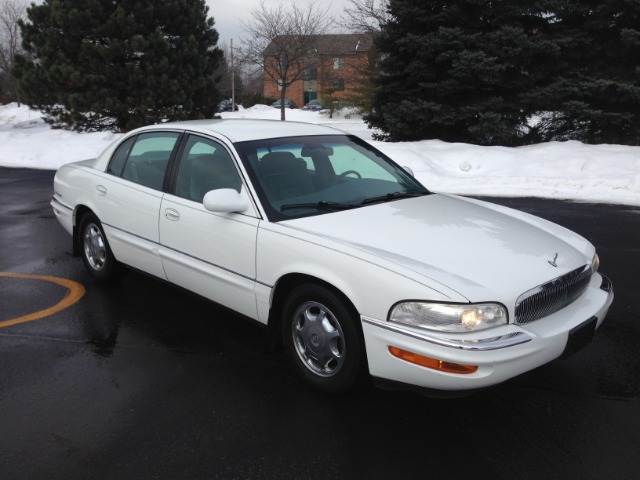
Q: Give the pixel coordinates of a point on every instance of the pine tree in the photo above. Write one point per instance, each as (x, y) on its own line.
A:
(592, 92)
(454, 70)
(100, 64)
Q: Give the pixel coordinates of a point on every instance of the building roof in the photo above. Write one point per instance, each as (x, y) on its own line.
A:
(332, 44)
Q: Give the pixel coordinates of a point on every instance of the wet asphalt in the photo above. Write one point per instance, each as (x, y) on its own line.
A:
(139, 379)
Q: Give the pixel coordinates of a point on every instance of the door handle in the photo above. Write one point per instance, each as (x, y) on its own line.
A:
(101, 189)
(172, 214)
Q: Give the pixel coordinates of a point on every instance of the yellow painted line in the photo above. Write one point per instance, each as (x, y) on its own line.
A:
(75, 292)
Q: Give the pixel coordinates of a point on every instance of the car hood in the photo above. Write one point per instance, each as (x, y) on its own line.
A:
(483, 252)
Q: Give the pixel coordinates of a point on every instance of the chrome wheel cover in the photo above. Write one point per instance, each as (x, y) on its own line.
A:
(95, 250)
(318, 339)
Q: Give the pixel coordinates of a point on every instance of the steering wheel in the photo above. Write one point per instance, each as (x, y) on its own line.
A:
(349, 172)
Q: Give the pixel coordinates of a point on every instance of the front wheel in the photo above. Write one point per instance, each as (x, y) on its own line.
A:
(322, 339)
(95, 250)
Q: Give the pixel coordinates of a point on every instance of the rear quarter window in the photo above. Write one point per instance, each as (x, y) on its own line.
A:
(120, 157)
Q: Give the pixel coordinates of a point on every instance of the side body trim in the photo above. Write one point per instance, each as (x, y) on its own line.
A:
(190, 256)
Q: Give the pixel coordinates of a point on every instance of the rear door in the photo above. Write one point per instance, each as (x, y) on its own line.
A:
(132, 193)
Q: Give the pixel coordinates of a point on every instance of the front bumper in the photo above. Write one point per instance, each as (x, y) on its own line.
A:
(500, 353)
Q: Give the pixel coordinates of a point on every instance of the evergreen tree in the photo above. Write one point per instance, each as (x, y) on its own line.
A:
(454, 70)
(100, 64)
(592, 92)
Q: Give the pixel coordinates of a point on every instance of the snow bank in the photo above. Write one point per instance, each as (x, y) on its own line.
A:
(27, 141)
(563, 170)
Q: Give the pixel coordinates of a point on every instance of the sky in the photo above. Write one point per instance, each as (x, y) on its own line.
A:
(560, 170)
(229, 14)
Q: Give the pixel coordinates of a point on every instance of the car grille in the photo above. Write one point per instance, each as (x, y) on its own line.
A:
(552, 296)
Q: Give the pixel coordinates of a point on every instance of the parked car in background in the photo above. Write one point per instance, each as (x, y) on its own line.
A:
(355, 265)
(226, 106)
(287, 104)
(314, 105)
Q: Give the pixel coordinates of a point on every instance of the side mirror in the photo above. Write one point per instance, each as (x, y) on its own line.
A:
(409, 171)
(226, 200)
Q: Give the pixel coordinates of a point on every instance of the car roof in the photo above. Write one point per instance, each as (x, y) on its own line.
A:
(242, 130)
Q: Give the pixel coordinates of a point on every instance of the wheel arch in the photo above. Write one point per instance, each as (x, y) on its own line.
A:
(284, 286)
(80, 211)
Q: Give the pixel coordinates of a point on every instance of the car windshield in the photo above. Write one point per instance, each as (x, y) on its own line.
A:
(313, 175)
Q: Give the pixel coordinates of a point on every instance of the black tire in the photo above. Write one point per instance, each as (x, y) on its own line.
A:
(95, 251)
(322, 339)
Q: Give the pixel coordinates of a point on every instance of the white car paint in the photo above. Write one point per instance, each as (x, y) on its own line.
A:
(408, 232)
(209, 253)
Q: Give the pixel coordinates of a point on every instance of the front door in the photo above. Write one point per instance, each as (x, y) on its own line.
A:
(212, 254)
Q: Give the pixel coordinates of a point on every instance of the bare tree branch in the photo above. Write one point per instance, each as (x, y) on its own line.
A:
(365, 16)
(281, 38)
(11, 11)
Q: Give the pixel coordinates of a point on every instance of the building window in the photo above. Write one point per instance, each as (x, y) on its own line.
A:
(310, 73)
(338, 63)
(338, 84)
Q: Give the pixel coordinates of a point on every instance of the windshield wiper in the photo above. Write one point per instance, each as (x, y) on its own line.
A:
(391, 196)
(321, 205)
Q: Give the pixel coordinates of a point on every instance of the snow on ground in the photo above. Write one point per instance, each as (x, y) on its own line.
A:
(564, 170)
(27, 141)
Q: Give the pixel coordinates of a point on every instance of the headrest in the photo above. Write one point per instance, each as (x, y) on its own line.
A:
(278, 162)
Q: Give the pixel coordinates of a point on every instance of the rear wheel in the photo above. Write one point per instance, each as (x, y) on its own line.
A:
(322, 338)
(95, 250)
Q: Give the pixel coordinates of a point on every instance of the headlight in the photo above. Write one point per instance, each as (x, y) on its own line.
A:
(595, 263)
(445, 317)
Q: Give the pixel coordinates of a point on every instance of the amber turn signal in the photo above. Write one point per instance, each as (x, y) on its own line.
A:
(432, 363)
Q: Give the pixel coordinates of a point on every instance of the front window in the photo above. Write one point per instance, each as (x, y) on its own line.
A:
(302, 176)
(205, 165)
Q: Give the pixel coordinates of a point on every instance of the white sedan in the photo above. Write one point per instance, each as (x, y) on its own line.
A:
(343, 254)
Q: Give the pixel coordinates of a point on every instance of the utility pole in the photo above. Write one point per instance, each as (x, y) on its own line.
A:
(233, 82)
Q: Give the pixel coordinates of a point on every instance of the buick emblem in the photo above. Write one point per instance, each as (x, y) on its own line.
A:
(553, 262)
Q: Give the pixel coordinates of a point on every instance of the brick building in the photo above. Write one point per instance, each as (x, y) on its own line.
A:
(334, 65)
